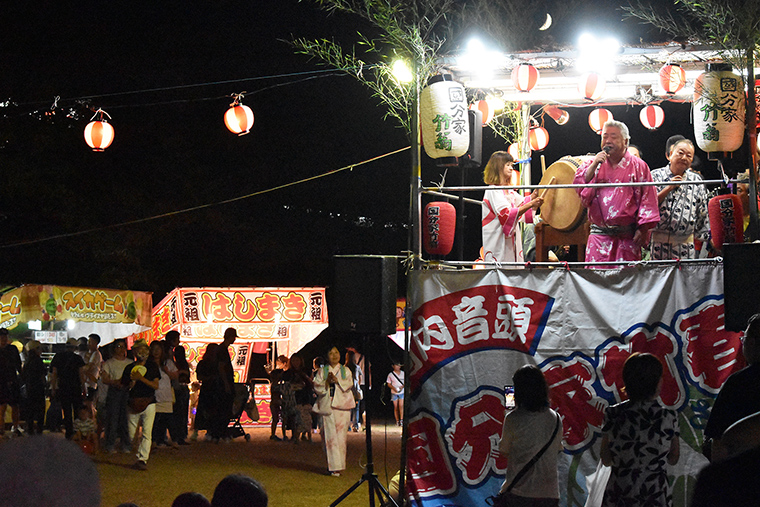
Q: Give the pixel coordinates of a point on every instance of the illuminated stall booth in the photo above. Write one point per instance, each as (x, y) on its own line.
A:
(51, 314)
(268, 321)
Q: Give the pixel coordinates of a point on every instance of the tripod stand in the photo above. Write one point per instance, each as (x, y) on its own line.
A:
(370, 477)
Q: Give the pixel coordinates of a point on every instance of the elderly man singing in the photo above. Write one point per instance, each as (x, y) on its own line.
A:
(620, 216)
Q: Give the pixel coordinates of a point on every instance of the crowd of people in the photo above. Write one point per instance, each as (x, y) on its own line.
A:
(627, 222)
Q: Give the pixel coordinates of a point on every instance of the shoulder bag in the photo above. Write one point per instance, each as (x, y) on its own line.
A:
(502, 499)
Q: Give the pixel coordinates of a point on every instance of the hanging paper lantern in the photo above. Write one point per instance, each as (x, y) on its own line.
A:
(484, 107)
(525, 77)
(444, 123)
(719, 110)
(439, 226)
(652, 117)
(597, 118)
(539, 138)
(515, 151)
(672, 78)
(591, 86)
(98, 134)
(239, 119)
(560, 116)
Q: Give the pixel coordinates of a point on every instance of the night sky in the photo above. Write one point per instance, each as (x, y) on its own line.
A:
(164, 72)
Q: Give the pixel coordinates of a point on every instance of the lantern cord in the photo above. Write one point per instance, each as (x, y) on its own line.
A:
(202, 206)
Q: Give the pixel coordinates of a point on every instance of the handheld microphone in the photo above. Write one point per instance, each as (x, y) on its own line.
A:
(607, 149)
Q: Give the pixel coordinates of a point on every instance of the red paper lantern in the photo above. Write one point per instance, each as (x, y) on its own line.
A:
(597, 118)
(515, 151)
(591, 86)
(485, 108)
(560, 116)
(239, 119)
(652, 117)
(672, 78)
(439, 227)
(539, 138)
(525, 77)
(98, 134)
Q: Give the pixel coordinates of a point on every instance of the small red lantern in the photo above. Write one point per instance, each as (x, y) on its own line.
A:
(515, 151)
(652, 117)
(539, 138)
(98, 134)
(239, 117)
(672, 78)
(485, 108)
(591, 86)
(525, 77)
(560, 116)
(439, 227)
(597, 118)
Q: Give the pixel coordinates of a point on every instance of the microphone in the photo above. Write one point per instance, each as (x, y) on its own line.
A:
(607, 149)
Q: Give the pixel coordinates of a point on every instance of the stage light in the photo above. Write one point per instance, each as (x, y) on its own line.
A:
(98, 134)
(401, 71)
(239, 117)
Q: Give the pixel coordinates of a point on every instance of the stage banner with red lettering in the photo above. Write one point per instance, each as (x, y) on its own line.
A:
(471, 330)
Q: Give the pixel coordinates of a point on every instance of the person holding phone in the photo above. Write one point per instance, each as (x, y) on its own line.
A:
(531, 440)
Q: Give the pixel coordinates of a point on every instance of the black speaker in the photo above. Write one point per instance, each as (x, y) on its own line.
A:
(364, 294)
(474, 155)
(741, 280)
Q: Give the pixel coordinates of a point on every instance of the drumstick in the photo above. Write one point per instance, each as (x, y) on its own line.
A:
(551, 182)
(543, 164)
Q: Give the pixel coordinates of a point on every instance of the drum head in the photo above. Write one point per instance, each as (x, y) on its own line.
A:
(562, 208)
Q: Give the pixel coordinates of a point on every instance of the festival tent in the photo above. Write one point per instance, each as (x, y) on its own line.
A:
(52, 313)
(288, 317)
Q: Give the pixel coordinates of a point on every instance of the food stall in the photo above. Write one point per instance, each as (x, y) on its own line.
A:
(266, 319)
(51, 313)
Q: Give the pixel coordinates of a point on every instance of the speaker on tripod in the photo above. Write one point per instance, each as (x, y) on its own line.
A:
(364, 302)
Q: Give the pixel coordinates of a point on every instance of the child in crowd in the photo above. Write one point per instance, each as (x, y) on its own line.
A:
(85, 431)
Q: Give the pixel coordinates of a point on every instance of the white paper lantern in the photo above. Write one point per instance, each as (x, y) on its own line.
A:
(443, 118)
(719, 109)
(652, 117)
(598, 117)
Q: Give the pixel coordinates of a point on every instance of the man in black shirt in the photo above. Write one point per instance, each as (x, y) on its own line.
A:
(67, 383)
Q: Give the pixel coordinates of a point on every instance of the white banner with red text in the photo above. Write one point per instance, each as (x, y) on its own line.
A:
(470, 331)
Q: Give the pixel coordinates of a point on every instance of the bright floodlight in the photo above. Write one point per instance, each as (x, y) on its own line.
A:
(71, 324)
(479, 60)
(401, 71)
(597, 54)
(34, 325)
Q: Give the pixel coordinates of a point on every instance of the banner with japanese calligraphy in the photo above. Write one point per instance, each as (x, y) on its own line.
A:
(291, 316)
(470, 331)
(79, 311)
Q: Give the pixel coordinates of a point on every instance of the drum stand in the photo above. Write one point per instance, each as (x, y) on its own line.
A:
(370, 477)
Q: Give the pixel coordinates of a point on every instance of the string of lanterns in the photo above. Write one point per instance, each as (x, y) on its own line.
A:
(99, 133)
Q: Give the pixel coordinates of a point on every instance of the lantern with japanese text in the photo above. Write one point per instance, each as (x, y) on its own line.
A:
(672, 78)
(597, 118)
(524, 77)
(560, 116)
(652, 117)
(439, 227)
(539, 138)
(98, 134)
(239, 117)
(485, 108)
(591, 86)
(443, 118)
(719, 109)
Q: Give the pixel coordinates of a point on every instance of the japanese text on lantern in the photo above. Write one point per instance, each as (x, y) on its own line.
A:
(445, 123)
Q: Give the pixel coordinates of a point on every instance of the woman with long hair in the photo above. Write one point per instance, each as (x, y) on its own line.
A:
(502, 210)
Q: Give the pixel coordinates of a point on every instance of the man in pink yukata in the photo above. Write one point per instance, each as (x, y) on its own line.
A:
(621, 216)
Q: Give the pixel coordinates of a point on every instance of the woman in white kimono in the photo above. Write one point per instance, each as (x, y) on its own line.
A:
(332, 385)
(502, 210)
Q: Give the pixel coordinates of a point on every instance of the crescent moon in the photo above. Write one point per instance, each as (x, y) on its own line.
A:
(547, 23)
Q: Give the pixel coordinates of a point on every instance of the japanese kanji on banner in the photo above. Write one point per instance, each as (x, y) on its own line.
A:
(290, 316)
(470, 331)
